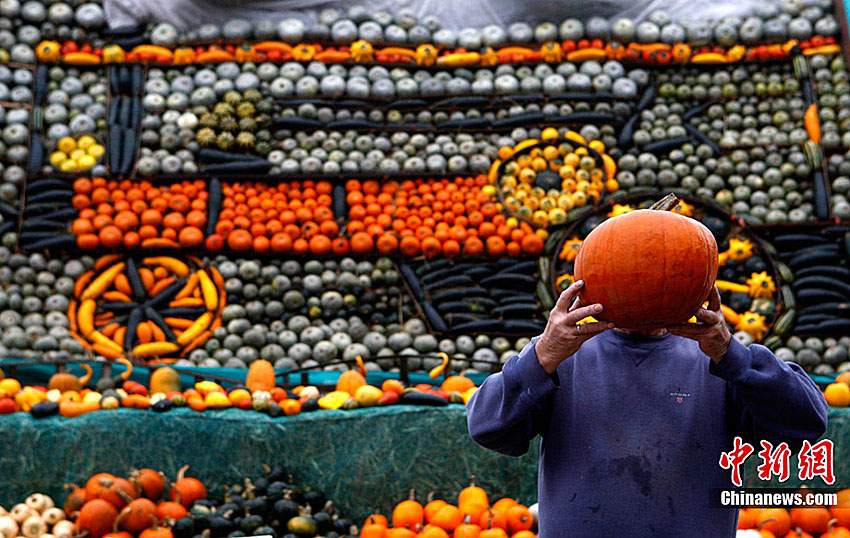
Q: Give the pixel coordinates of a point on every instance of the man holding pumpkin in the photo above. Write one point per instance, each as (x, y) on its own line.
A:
(634, 421)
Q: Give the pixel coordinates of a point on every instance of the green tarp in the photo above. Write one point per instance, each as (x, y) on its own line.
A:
(365, 460)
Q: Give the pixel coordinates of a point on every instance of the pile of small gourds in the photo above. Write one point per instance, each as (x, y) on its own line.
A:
(472, 517)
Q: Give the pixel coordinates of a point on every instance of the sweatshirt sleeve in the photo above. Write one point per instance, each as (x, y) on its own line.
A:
(508, 410)
(770, 399)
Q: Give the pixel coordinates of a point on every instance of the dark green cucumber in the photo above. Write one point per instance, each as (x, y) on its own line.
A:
(822, 282)
(454, 318)
(414, 397)
(457, 280)
(454, 294)
(789, 242)
(477, 304)
(510, 280)
(834, 271)
(785, 322)
(523, 326)
(816, 258)
(517, 310)
(839, 308)
(811, 296)
(518, 298)
(182, 312)
(433, 317)
(433, 265)
(480, 326)
(412, 281)
(772, 342)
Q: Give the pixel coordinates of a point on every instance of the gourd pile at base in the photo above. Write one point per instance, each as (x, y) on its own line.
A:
(360, 209)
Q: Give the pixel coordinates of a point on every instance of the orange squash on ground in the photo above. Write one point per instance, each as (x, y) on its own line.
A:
(261, 376)
(96, 517)
(648, 268)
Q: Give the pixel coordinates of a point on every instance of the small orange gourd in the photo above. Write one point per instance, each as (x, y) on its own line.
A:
(493, 518)
(63, 381)
(519, 518)
(472, 501)
(447, 518)
(351, 380)
(261, 376)
(409, 513)
(467, 530)
(433, 507)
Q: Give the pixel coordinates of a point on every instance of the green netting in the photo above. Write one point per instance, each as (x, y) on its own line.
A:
(365, 460)
(29, 373)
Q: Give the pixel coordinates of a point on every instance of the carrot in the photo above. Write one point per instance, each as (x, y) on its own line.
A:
(178, 323)
(136, 401)
(74, 409)
(72, 316)
(268, 46)
(191, 286)
(148, 280)
(186, 301)
(116, 297)
(143, 332)
(212, 56)
(118, 337)
(81, 58)
(650, 47)
(161, 285)
(583, 55)
(106, 260)
(103, 317)
(332, 56)
(161, 242)
(82, 282)
(812, 123)
(158, 334)
(122, 284)
(110, 329)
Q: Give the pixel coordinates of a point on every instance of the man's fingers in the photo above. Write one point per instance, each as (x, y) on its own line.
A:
(689, 329)
(714, 300)
(593, 328)
(577, 303)
(709, 317)
(580, 313)
(565, 300)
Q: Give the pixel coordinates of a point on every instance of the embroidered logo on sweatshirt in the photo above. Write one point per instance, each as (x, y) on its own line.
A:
(679, 395)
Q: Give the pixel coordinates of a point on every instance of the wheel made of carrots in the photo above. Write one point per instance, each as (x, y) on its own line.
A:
(145, 309)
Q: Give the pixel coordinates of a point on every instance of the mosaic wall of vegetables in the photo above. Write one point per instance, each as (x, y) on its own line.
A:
(746, 278)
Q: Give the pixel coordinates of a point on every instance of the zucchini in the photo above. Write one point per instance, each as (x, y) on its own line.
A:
(47, 183)
(467, 123)
(510, 280)
(53, 242)
(44, 409)
(124, 112)
(624, 141)
(414, 127)
(821, 194)
(834, 326)
(297, 124)
(154, 316)
(433, 317)
(412, 281)
(772, 342)
(545, 296)
(517, 310)
(788, 299)
(499, 293)
(137, 80)
(454, 318)
(579, 212)
(518, 298)
(790, 241)
(785, 322)
(36, 155)
(135, 279)
(552, 242)
(822, 282)
(182, 312)
(836, 230)
(59, 216)
(665, 146)
(119, 307)
(584, 118)
(132, 325)
(480, 326)
(523, 326)
(405, 104)
(51, 194)
(415, 397)
(40, 86)
(702, 138)
(241, 167)
(521, 267)
(466, 101)
(457, 280)
(453, 294)
(479, 272)
(354, 125)
(543, 265)
(699, 110)
(128, 150)
(339, 204)
(218, 156)
(827, 248)
(815, 258)
(785, 272)
(841, 309)
(811, 296)
(433, 265)
(214, 204)
(115, 137)
(814, 319)
(477, 304)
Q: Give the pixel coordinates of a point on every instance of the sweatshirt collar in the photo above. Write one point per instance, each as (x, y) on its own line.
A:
(640, 346)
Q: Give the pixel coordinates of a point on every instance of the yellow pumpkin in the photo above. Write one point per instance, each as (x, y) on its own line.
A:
(367, 395)
(217, 400)
(113, 54)
(48, 51)
(165, 380)
(261, 376)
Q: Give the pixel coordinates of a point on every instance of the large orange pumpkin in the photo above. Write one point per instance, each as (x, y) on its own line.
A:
(648, 268)
(811, 520)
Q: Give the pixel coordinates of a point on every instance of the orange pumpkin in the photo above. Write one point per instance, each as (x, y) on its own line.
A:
(75, 500)
(96, 517)
(835, 531)
(524, 534)
(746, 518)
(260, 376)
(409, 513)
(798, 533)
(467, 530)
(351, 380)
(150, 483)
(493, 518)
(811, 520)
(156, 532)
(519, 518)
(433, 507)
(447, 518)
(118, 492)
(187, 490)
(775, 520)
(841, 511)
(373, 531)
(503, 504)
(97, 483)
(472, 501)
(137, 516)
(457, 383)
(377, 519)
(170, 510)
(432, 531)
(400, 532)
(493, 532)
(622, 265)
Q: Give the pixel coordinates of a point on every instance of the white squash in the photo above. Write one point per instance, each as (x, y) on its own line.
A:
(34, 527)
(3, 511)
(48, 535)
(64, 529)
(38, 502)
(8, 527)
(20, 512)
(52, 516)
(748, 533)
(533, 510)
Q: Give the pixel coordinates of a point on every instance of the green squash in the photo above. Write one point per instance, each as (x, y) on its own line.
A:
(547, 180)
(302, 526)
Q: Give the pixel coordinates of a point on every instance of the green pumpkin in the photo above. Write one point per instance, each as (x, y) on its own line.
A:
(547, 179)
(302, 526)
(765, 307)
(350, 403)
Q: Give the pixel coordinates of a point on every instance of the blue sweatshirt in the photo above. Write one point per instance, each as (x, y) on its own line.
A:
(633, 428)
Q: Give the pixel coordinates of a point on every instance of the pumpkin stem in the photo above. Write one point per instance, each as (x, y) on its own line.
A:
(765, 521)
(123, 494)
(119, 518)
(665, 204)
(166, 484)
(472, 481)
(430, 497)
(266, 469)
(412, 495)
(831, 523)
(71, 486)
(182, 472)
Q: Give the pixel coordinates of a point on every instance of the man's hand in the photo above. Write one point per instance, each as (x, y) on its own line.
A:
(710, 330)
(562, 337)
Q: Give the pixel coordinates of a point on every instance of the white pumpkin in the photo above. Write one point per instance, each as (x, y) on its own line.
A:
(8, 527)
(20, 512)
(747, 533)
(33, 527)
(64, 529)
(53, 515)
